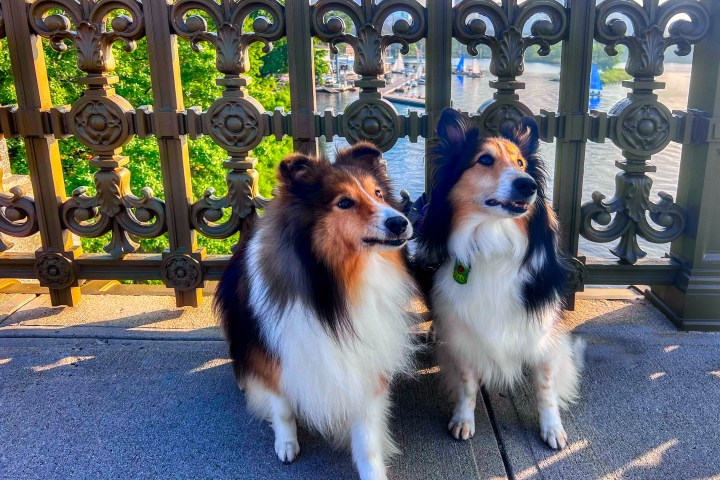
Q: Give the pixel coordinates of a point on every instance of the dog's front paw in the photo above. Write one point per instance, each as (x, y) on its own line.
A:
(554, 435)
(287, 451)
(462, 427)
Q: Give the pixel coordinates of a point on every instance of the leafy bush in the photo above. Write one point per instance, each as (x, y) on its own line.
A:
(614, 75)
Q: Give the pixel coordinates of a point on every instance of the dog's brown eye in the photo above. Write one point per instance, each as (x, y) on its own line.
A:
(486, 160)
(378, 193)
(345, 203)
(521, 163)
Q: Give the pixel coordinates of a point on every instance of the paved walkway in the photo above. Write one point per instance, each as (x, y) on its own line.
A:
(131, 387)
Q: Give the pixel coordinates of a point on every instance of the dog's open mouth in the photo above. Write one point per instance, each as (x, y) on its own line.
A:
(511, 206)
(398, 242)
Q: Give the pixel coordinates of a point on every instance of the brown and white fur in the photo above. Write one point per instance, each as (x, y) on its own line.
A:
(488, 210)
(314, 305)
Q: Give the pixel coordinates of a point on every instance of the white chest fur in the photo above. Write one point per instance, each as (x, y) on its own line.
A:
(484, 322)
(327, 380)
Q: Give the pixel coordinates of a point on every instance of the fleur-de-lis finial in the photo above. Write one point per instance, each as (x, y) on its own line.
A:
(507, 42)
(91, 35)
(653, 31)
(368, 42)
(230, 39)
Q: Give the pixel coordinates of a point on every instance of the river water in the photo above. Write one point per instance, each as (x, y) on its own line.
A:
(406, 160)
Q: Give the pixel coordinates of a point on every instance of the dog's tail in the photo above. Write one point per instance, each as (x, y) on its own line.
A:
(571, 366)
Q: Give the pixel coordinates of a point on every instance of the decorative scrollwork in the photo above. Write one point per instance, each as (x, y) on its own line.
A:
(243, 198)
(101, 119)
(507, 43)
(54, 270)
(629, 206)
(18, 217)
(181, 272)
(114, 208)
(235, 121)
(230, 41)
(642, 125)
(369, 44)
(650, 21)
(92, 37)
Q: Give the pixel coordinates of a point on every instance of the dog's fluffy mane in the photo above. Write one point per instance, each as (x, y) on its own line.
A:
(292, 270)
(452, 154)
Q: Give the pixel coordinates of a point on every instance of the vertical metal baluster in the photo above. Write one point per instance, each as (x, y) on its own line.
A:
(693, 303)
(437, 72)
(54, 264)
(174, 158)
(573, 106)
(302, 75)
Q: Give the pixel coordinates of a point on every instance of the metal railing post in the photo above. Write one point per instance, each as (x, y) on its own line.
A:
(301, 66)
(573, 105)
(174, 157)
(693, 302)
(437, 72)
(54, 264)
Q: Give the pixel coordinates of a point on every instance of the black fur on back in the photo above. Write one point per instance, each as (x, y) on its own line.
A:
(549, 282)
(232, 305)
(456, 148)
(287, 261)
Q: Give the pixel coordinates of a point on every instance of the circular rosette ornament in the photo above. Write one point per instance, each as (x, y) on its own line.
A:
(54, 271)
(374, 120)
(181, 272)
(100, 122)
(236, 123)
(642, 128)
(495, 117)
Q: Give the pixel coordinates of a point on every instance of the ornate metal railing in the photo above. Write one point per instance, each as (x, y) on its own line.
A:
(686, 284)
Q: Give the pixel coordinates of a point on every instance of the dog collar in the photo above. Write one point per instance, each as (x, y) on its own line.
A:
(461, 272)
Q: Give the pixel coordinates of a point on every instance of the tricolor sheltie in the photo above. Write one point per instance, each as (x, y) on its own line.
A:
(497, 294)
(314, 305)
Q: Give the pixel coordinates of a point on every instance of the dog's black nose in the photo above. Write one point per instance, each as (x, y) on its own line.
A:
(525, 186)
(396, 225)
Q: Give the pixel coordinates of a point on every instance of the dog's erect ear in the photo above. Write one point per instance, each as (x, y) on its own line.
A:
(452, 127)
(524, 135)
(297, 168)
(367, 156)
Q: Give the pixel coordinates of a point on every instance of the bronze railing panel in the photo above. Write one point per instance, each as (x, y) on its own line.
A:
(639, 126)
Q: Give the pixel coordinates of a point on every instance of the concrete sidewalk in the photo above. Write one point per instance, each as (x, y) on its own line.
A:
(131, 387)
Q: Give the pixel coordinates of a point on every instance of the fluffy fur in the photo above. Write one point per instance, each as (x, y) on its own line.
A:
(314, 305)
(488, 210)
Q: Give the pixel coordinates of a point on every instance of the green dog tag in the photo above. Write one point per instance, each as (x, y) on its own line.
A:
(461, 272)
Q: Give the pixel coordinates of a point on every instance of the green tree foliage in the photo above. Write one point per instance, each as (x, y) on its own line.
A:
(199, 89)
(277, 60)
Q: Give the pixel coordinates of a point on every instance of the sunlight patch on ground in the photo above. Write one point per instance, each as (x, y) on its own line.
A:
(61, 363)
(652, 458)
(656, 375)
(215, 362)
(561, 455)
(671, 348)
(3, 361)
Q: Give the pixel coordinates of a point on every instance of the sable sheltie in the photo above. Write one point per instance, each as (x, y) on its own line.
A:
(314, 305)
(497, 294)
